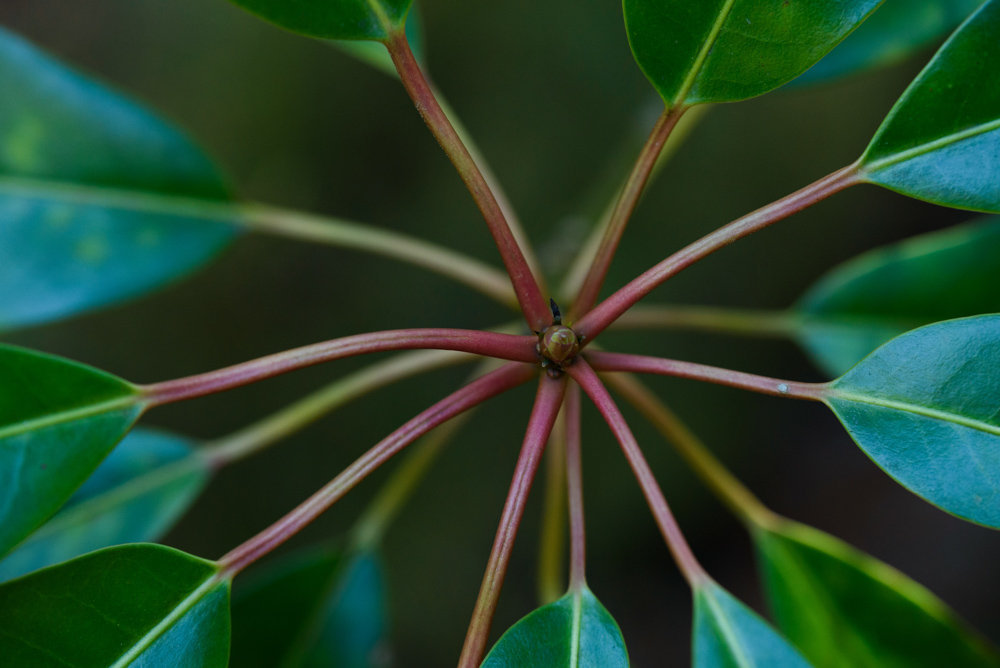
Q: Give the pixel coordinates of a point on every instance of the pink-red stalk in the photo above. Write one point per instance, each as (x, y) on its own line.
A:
(596, 321)
(583, 374)
(624, 207)
(488, 344)
(473, 394)
(610, 362)
(543, 416)
(529, 295)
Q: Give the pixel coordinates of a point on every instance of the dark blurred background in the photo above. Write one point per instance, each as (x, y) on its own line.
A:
(550, 92)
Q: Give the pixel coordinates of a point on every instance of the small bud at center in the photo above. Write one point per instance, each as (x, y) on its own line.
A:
(559, 343)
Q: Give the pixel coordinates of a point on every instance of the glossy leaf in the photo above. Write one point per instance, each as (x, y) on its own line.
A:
(941, 142)
(729, 50)
(926, 408)
(897, 30)
(727, 634)
(333, 19)
(134, 605)
(844, 609)
(63, 137)
(576, 632)
(863, 303)
(315, 609)
(58, 420)
(134, 496)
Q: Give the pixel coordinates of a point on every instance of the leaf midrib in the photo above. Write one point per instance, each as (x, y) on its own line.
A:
(699, 62)
(915, 409)
(728, 632)
(941, 142)
(182, 608)
(63, 417)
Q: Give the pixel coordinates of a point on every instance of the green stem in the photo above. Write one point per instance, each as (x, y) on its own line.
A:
(744, 322)
(552, 541)
(273, 428)
(706, 466)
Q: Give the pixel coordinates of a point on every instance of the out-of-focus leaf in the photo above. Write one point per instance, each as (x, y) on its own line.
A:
(333, 19)
(926, 408)
(133, 605)
(863, 303)
(58, 420)
(729, 50)
(897, 30)
(727, 634)
(65, 140)
(845, 609)
(574, 632)
(941, 142)
(134, 496)
(317, 608)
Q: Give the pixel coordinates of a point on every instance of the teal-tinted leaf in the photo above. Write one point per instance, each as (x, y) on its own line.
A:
(134, 496)
(845, 609)
(333, 19)
(863, 303)
(134, 605)
(377, 56)
(576, 632)
(60, 255)
(926, 408)
(317, 608)
(941, 142)
(895, 31)
(729, 50)
(58, 420)
(727, 634)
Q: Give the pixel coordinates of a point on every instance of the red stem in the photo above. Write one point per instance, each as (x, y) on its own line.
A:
(489, 344)
(602, 361)
(529, 295)
(583, 374)
(543, 417)
(473, 394)
(596, 321)
(627, 201)
(574, 485)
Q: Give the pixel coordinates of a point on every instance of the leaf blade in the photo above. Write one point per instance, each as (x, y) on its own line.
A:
(729, 50)
(844, 608)
(926, 408)
(333, 19)
(59, 258)
(575, 631)
(941, 141)
(147, 482)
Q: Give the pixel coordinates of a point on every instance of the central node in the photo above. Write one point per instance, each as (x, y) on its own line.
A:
(558, 345)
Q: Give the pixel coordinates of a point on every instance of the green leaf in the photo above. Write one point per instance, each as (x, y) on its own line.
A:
(134, 496)
(316, 608)
(58, 420)
(134, 605)
(896, 31)
(333, 19)
(576, 632)
(926, 408)
(941, 142)
(60, 255)
(845, 609)
(863, 303)
(729, 50)
(377, 55)
(727, 634)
